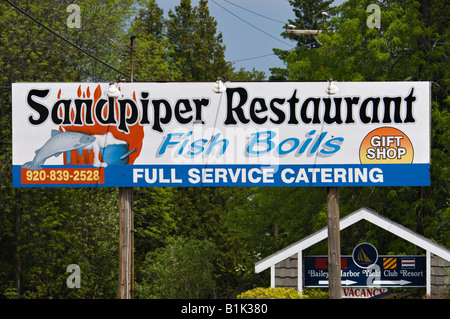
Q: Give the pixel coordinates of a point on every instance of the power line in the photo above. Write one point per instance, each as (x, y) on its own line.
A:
(32, 36)
(27, 33)
(251, 24)
(64, 39)
(251, 11)
(253, 58)
(39, 40)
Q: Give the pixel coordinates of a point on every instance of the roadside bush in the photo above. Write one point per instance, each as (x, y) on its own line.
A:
(282, 293)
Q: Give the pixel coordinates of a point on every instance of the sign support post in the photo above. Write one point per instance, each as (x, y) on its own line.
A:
(125, 289)
(126, 228)
(334, 243)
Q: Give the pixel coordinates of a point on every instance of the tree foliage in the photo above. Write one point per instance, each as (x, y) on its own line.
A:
(197, 48)
(151, 56)
(183, 268)
(45, 230)
(282, 293)
(410, 45)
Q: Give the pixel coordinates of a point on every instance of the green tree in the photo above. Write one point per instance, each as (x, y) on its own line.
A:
(151, 60)
(199, 52)
(310, 15)
(183, 268)
(58, 227)
(200, 213)
(155, 218)
(244, 75)
(273, 218)
(410, 45)
(45, 230)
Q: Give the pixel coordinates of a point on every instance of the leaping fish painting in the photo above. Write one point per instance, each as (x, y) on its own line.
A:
(58, 143)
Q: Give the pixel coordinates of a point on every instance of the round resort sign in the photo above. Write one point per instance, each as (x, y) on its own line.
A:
(365, 255)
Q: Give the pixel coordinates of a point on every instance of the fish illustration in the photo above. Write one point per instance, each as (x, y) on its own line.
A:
(58, 143)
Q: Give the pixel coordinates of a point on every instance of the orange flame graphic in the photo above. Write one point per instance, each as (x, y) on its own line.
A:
(134, 138)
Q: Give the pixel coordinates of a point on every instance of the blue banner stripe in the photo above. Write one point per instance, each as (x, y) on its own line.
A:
(244, 175)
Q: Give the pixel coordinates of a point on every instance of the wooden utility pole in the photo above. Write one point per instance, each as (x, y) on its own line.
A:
(126, 228)
(334, 244)
(334, 240)
(125, 289)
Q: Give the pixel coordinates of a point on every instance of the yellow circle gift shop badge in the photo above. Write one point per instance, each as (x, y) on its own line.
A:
(386, 145)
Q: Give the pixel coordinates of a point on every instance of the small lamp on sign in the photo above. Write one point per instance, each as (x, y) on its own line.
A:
(219, 86)
(331, 88)
(113, 91)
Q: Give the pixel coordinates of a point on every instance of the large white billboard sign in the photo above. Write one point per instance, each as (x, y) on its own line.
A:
(252, 134)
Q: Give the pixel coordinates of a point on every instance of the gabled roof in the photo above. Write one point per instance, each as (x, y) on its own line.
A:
(362, 213)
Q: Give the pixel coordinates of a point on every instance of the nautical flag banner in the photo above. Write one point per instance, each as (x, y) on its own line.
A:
(322, 263)
(408, 263)
(249, 134)
(390, 263)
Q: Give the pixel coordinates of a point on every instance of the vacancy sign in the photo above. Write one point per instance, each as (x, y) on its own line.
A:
(249, 134)
(362, 293)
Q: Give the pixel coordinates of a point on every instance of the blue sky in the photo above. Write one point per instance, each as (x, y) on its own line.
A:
(250, 28)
